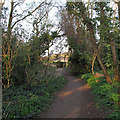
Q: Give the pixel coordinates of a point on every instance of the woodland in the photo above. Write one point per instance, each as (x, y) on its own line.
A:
(92, 32)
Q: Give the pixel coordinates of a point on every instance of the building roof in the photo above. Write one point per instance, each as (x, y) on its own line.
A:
(60, 59)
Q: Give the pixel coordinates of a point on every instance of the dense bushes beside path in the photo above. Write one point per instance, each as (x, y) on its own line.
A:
(35, 95)
(105, 94)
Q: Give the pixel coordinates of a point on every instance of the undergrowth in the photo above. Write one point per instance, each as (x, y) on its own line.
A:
(35, 96)
(105, 94)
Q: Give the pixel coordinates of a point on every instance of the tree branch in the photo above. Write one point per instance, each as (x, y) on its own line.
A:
(28, 14)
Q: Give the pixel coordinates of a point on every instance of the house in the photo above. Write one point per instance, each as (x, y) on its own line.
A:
(61, 61)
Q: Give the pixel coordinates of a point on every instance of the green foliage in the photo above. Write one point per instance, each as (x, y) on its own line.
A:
(86, 76)
(103, 19)
(28, 54)
(115, 114)
(38, 46)
(34, 97)
(79, 63)
(106, 94)
(21, 64)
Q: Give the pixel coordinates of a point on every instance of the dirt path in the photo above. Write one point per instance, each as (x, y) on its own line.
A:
(74, 101)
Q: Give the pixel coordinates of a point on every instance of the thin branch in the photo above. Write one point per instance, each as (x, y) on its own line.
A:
(3, 3)
(28, 14)
(19, 3)
(3, 84)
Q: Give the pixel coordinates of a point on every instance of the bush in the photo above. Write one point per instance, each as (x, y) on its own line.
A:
(106, 94)
(34, 96)
(21, 65)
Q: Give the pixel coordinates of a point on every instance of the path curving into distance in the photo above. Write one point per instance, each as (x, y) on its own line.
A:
(73, 101)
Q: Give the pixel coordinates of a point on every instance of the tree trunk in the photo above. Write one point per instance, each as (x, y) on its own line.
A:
(48, 53)
(93, 62)
(89, 25)
(8, 65)
(115, 61)
(1, 83)
(93, 40)
(119, 12)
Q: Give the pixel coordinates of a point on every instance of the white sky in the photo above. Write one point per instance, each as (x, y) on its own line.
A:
(54, 19)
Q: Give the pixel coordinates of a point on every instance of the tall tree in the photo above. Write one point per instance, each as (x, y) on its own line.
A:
(7, 52)
(111, 38)
(79, 10)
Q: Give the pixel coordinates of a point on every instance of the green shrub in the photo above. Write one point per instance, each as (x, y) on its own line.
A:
(21, 65)
(34, 96)
(86, 76)
(79, 64)
(106, 94)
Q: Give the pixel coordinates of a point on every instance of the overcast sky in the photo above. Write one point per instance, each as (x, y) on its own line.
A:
(52, 19)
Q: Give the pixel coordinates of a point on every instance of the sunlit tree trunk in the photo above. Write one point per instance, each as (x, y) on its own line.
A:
(93, 62)
(48, 53)
(93, 41)
(8, 64)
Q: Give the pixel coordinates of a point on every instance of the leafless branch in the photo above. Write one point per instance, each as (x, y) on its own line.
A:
(28, 14)
(18, 4)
